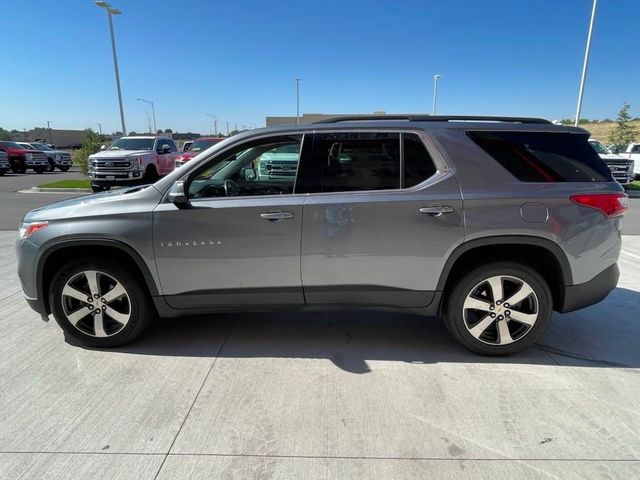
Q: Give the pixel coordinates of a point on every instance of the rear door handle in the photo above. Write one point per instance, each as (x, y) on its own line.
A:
(436, 210)
(276, 216)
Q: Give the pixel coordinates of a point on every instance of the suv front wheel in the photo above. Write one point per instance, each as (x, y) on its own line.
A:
(499, 308)
(99, 303)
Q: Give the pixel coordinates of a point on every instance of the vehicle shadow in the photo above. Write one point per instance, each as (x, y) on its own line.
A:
(604, 335)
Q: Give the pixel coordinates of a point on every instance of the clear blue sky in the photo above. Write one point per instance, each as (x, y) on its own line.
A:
(238, 59)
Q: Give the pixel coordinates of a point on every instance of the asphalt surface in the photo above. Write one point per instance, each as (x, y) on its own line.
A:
(341, 395)
(14, 205)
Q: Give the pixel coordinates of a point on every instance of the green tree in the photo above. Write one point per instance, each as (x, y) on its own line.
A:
(91, 145)
(168, 130)
(624, 133)
(4, 134)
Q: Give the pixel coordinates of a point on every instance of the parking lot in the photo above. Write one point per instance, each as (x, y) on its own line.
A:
(349, 394)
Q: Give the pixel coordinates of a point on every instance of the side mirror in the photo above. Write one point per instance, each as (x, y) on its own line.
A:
(164, 149)
(103, 147)
(177, 195)
(248, 174)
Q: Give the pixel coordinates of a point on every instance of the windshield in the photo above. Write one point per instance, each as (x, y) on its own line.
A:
(41, 146)
(132, 144)
(200, 145)
(11, 145)
(599, 148)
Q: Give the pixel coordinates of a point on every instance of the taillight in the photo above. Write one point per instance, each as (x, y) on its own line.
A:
(611, 204)
(28, 229)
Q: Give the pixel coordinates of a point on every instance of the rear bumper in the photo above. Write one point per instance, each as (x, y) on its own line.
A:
(591, 292)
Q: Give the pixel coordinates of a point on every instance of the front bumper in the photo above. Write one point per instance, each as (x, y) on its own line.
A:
(109, 178)
(591, 292)
(36, 164)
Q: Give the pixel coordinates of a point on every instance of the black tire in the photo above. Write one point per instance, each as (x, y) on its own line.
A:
(2, 172)
(460, 322)
(39, 170)
(97, 188)
(140, 309)
(52, 166)
(151, 174)
(64, 168)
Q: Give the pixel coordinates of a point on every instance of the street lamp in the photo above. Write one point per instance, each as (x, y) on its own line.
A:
(435, 92)
(114, 11)
(297, 100)
(153, 112)
(585, 65)
(215, 123)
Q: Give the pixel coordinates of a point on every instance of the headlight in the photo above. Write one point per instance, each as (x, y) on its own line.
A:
(28, 156)
(137, 162)
(58, 156)
(29, 228)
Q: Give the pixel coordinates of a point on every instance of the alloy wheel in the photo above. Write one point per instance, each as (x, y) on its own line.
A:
(500, 310)
(96, 303)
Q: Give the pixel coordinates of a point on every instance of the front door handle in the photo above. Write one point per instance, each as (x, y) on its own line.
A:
(436, 210)
(276, 216)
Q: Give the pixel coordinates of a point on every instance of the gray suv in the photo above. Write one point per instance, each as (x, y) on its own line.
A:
(491, 223)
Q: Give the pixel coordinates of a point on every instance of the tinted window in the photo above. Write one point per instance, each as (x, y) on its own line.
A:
(418, 165)
(356, 161)
(260, 167)
(544, 157)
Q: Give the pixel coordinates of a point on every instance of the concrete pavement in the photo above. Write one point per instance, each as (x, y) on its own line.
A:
(341, 395)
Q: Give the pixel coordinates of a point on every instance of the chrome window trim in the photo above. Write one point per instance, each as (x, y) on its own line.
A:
(429, 142)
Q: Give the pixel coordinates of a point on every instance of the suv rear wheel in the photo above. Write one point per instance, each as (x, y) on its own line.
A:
(499, 308)
(99, 303)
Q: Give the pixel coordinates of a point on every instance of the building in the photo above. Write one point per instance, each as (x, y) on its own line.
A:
(309, 118)
(59, 138)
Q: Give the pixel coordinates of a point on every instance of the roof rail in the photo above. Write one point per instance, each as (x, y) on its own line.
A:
(434, 118)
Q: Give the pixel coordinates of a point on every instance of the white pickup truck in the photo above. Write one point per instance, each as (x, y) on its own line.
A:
(622, 168)
(130, 160)
(633, 153)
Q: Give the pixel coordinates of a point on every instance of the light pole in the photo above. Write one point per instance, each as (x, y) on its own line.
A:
(297, 100)
(215, 123)
(49, 128)
(114, 11)
(153, 112)
(585, 65)
(435, 92)
(100, 128)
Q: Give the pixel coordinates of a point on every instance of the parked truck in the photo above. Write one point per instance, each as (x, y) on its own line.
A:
(22, 158)
(622, 168)
(633, 153)
(57, 158)
(131, 160)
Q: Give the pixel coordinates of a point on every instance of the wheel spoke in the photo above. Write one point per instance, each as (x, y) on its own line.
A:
(117, 316)
(78, 315)
(481, 326)
(526, 318)
(520, 295)
(503, 330)
(92, 279)
(114, 293)
(98, 325)
(496, 288)
(476, 304)
(69, 291)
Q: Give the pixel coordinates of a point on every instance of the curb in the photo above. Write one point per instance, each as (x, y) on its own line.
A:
(55, 190)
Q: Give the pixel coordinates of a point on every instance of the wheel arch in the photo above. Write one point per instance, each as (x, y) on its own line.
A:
(55, 256)
(546, 257)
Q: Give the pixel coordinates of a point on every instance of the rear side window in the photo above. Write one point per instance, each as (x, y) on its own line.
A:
(354, 161)
(418, 165)
(544, 157)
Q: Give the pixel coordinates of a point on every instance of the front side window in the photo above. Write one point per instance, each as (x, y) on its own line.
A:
(260, 167)
(357, 161)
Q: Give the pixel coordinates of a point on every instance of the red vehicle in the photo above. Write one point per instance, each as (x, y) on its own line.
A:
(22, 158)
(196, 147)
